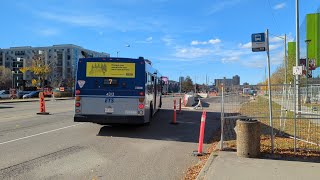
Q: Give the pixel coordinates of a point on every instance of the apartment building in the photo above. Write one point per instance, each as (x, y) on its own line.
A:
(62, 60)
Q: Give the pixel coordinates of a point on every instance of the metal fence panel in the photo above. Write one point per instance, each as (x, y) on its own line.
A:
(300, 122)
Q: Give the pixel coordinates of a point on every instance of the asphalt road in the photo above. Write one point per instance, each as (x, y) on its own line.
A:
(54, 147)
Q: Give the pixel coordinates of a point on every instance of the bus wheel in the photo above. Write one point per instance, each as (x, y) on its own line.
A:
(151, 113)
(160, 105)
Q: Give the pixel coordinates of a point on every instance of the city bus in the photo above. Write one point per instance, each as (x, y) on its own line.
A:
(115, 90)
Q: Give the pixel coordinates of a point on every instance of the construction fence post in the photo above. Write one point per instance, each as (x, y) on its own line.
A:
(222, 117)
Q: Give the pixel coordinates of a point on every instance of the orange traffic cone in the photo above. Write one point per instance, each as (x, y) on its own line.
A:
(42, 105)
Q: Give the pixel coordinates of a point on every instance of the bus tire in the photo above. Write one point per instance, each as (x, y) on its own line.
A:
(150, 116)
(151, 112)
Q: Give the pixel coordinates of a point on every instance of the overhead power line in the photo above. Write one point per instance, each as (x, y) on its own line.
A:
(273, 16)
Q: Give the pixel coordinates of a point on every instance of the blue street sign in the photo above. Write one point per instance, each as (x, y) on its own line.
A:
(258, 37)
(258, 42)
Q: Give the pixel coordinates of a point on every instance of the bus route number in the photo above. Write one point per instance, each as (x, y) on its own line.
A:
(109, 100)
(110, 94)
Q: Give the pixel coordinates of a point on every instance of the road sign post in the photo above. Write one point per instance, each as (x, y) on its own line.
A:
(260, 42)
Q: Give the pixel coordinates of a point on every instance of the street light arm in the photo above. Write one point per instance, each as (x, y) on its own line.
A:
(277, 36)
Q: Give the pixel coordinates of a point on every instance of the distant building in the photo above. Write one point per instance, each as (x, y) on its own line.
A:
(226, 82)
(236, 80)
(246, 84)
(61, 58)
(181, 79)
(229, 84)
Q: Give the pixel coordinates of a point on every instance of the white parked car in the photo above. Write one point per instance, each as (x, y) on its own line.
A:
(5, 94)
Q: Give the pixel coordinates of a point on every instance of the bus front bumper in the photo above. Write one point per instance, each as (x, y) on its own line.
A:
(105, 120)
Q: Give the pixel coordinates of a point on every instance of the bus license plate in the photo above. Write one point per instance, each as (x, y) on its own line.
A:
(108, 110)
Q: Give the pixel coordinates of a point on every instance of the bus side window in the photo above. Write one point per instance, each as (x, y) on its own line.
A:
(159, 86)
(150, 83)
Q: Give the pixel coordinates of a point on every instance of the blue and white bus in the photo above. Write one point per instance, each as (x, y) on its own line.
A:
(117, 91)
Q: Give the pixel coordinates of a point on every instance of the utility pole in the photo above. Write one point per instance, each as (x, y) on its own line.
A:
(285, 59)
(270, 95)
(265, 78)
(180, 79)
(195, 84)
(206, 82)
(297, 78)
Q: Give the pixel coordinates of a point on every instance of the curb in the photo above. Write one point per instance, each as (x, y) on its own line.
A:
(207, 166)
(34, 100)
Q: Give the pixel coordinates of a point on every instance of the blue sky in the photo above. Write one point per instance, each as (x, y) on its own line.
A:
(195, 38)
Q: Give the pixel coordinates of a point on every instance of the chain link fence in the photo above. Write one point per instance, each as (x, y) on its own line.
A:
(295, 121)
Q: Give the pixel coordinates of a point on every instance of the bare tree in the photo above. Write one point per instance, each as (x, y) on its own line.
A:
(5, 77)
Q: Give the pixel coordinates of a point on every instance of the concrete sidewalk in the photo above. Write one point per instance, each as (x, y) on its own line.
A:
(227, 166)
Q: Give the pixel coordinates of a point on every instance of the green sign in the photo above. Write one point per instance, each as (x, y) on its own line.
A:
(313, 34)
(292, 53)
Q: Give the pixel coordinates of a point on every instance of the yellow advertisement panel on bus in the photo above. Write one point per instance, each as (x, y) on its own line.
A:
(110, 69)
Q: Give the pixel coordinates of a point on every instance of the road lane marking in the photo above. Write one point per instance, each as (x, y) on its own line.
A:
(40, 133)
(34, 115)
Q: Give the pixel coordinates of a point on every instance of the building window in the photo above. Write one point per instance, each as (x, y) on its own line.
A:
(68, 57)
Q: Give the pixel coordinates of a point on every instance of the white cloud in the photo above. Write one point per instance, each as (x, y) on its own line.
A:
(77, 19)
(106, 20)
(191, 53)
(232, 53)
(167, 40)
(230, 59)
(275, 46)
(214, 41)
(279, 6)
(276, 39)
(210, 41)
(195, 42)
(220, 5)
(48, 32)
(147, 40)
(246, 45)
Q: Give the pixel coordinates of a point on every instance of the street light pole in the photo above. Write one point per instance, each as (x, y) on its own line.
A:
(180, 79)
(285, 60)
(297, 78)
(12, 84)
